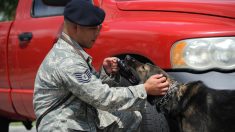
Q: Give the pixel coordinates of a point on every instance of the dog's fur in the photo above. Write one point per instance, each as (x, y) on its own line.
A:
(193, 107)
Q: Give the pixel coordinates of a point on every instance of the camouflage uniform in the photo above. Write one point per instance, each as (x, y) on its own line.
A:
(94, 105)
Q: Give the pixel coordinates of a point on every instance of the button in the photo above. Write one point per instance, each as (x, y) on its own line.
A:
(142, 95)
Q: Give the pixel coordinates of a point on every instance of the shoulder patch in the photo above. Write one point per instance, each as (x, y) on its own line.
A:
(84, 77)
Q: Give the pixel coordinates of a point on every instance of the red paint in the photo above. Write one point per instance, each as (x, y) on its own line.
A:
(223, 8)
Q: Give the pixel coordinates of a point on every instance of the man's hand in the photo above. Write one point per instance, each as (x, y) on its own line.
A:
(156, 85)
(110, 65)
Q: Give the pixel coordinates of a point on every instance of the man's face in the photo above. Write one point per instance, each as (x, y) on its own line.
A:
(86, 36)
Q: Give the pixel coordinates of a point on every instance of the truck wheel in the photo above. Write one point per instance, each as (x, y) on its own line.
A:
(4, 125)
(153, 121)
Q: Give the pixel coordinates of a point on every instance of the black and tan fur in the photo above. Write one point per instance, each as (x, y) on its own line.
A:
(193, 107)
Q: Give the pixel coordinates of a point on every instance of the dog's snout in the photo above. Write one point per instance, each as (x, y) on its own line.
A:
(128, 57)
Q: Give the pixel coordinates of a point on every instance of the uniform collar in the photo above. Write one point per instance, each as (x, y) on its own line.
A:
(87, 56)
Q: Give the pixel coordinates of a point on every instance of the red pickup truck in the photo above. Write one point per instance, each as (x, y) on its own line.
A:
(190, 39)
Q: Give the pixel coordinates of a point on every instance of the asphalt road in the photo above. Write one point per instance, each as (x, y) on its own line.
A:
(20, 128)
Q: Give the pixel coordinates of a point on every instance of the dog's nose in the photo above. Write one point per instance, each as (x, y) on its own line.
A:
(128, 57)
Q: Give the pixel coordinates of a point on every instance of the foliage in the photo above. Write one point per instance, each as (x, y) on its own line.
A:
(8, 9)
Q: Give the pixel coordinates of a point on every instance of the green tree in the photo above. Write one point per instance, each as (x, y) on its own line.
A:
(7, 9)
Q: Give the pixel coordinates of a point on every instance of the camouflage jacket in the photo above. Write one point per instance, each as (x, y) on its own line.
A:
(93, 101)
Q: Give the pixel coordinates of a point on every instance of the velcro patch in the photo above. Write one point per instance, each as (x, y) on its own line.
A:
(84, 77)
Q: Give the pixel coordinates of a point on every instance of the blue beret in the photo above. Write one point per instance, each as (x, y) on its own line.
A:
(84, 13)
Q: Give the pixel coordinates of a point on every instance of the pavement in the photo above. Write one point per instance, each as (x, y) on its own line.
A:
(20, 128)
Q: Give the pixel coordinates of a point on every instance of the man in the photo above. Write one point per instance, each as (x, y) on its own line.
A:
(87, 102)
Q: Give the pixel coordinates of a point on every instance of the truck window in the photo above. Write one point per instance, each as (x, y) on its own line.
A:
(7, 10)
(40, 9)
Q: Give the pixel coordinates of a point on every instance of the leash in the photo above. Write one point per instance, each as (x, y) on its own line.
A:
(57, 104)
(91, 68)
(71, 43)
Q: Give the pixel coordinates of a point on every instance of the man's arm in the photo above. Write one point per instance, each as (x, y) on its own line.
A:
(90, 89)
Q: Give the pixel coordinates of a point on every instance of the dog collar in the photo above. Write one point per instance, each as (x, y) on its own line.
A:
(160, 102)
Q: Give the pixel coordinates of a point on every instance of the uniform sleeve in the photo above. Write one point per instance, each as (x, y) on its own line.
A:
(83, 84)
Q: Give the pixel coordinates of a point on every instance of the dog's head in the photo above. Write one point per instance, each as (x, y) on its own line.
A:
(144, 71)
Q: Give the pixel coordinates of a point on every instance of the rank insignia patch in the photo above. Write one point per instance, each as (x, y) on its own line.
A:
(84, 77)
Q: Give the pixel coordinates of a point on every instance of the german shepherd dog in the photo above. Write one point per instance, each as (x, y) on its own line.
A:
(191, 107)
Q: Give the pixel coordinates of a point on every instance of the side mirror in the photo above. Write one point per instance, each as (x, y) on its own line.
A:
(55, 2)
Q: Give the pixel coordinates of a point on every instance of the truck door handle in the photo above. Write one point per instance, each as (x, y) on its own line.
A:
(26, 36)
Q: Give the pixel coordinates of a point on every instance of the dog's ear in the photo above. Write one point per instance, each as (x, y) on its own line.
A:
(157, 70)
(196, 83)
(132, 62)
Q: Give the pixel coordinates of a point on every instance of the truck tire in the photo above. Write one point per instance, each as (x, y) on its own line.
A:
(153, 121)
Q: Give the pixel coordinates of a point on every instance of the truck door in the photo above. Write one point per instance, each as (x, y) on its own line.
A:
(7, 15)
(33, 34)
